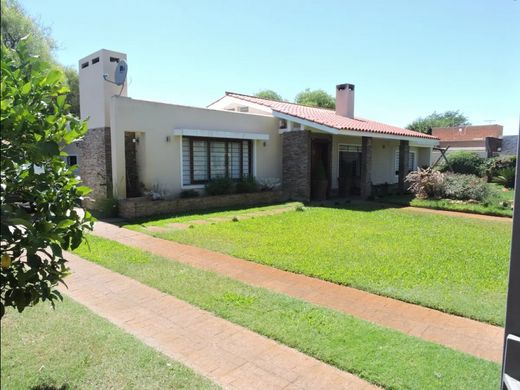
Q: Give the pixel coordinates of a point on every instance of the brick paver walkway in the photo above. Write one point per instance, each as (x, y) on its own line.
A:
(228, 354)
(463, 334)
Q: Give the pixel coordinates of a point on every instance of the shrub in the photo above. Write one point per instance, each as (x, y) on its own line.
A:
(189, 193)
(426, 183)
(220, 186)
(505, 177)
(466, 187)
(464, 162)
(246, 184)
(492, 166)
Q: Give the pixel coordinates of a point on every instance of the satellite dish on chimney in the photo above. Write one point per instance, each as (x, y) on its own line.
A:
(119, 74)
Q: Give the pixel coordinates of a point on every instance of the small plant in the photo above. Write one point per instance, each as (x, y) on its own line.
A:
(300, 208)
(220, 186)
(505, 177)
(235, 219)
(191, 193)
(246, 184)
(426, 183)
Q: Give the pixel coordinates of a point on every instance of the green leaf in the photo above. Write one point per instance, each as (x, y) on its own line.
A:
(49, 148)
(26, 88)
(66, 223)
(83, 190)
(60, 101)
(53, 76)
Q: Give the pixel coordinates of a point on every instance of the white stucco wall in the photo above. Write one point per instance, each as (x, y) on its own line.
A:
(159, 161)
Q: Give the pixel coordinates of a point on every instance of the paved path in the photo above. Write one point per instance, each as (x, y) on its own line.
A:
(473, 337)
(228, 354)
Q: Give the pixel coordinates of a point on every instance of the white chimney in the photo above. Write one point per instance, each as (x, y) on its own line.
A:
(94, 91)
(345, 100)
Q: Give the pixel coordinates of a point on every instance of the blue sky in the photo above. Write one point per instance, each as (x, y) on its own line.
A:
(406, 58)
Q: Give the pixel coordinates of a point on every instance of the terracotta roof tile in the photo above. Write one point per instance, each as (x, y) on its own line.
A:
(329, 118)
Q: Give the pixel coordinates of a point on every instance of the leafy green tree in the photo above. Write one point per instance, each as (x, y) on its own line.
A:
(316, 98)
(444, 119)
(269, 94)
(39, 194)
(15, 24)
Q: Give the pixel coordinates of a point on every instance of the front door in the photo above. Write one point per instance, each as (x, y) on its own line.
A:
(349, 170)
(320, 168)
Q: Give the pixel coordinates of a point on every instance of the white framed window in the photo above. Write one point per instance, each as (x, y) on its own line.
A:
(412, 161)
(204, 159)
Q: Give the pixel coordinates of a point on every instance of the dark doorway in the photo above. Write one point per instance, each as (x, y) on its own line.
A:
(132, 181)
(349, 180)
(320, 168)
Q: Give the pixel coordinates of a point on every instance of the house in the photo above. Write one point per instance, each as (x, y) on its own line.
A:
(484, 140)
(135, 144)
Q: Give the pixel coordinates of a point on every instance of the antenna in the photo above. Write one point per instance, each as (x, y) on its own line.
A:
(119, 74)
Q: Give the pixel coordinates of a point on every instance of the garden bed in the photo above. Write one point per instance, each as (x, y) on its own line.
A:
(498, 204)
(132, 208)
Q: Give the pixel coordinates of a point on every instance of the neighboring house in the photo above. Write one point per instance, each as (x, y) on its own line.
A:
(484, 140)
(135, 144)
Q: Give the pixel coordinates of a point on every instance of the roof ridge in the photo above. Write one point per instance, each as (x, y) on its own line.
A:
(279, 101)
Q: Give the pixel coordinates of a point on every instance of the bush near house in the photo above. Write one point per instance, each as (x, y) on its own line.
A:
(492, 166)
(431, 184)
(464, 162)
(225, 185)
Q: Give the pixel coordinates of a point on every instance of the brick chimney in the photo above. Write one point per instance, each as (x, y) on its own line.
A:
(345, 100)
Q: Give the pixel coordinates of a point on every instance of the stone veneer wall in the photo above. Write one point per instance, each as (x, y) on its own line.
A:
(144, 207)
(296, 164)
(96, 164)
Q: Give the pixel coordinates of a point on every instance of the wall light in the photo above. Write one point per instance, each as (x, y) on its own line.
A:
(168, 138)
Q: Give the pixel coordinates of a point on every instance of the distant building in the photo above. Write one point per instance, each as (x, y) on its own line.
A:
(484, 140)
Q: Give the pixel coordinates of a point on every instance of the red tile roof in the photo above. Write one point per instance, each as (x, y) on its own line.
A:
(329, 118)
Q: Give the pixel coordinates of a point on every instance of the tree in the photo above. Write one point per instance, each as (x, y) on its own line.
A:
(445, 119)
(269, 94)
(16, 24)
(39, 193)
(316, 98)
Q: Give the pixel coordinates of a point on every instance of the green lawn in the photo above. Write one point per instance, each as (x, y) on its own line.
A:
(72, 348)
(382, 356)
(494, 207)
(452, 264)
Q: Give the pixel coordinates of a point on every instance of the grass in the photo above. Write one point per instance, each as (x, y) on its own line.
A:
(452, 264)
(494, 207)
(72, 348)
(207, 214)
(382, 356)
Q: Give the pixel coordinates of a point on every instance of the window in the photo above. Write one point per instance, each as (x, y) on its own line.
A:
(95, 60)
(243, 109)
(412, 163)
(72, 160)
(204, 159)
(349, 148)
